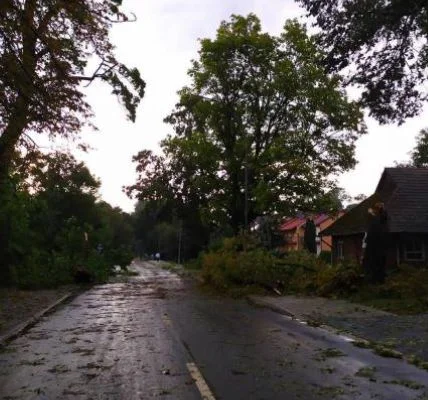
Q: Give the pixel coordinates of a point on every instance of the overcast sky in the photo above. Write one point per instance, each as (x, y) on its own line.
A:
(161, 44)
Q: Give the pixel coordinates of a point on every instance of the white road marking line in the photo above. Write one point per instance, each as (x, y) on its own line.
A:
(200, 382)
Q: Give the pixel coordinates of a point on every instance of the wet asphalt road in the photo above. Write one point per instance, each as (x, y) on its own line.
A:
(141, 339)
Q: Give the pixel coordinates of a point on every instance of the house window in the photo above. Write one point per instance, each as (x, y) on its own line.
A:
(414, 250)
(340, 249)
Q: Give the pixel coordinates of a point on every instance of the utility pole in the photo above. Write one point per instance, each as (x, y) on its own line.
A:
(246, 196)
(180, 230)
(246, 205)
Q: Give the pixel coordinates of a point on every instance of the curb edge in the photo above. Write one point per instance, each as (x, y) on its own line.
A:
(20, 329)
(351, 337)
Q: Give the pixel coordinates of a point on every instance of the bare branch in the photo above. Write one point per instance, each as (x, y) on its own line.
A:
(96, 74)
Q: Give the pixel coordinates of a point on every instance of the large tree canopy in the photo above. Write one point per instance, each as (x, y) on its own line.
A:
(261, 129)
(45, 50)
(383, 45)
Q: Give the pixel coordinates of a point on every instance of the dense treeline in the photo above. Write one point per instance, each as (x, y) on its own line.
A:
(53, 227)
(52, 224)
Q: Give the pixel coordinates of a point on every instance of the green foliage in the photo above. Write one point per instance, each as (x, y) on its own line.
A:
(266, 230)
(325, 256)
(387, 352)
(121, 256)
(41, 269)
(404, 291)
(52, 225)
(242, 261)
(303, 268)
(260, 117)
(419, 154)
(241, 265)
(99, 266)
(45, 49)
(383, 47)
(195, 264)
(15, 236)
(339, 280)
(407, 282)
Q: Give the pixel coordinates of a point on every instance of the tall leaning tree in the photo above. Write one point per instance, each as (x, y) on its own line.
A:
(382, 47)
(261, 129)
(45, 50)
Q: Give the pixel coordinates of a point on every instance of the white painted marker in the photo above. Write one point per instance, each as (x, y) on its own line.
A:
(200, 382)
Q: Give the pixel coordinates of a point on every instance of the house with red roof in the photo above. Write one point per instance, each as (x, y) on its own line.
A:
(293, 230)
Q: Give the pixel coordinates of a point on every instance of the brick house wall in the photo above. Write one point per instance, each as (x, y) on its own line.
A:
(402, 249)
(326, 242)
(347, 248)
(293, 240)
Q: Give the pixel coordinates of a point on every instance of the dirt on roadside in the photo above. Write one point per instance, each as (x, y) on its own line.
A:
(17, 306)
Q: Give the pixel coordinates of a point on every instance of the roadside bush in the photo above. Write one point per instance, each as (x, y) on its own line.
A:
(195, 264)
(239, 261)
(404, 291)
(240, 266)
(49, 270)
(313, 276)
(242, 261)
(97, 267)
(339, 280)
(299, 272)
(407, 282)
(121, 256)
(42, 270)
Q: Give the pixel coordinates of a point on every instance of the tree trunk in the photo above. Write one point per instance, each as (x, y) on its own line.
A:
(236, 203)
(11, 135)
(18, 119)
(8, 141)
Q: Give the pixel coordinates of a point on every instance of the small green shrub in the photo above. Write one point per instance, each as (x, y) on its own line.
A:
(339, 280)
